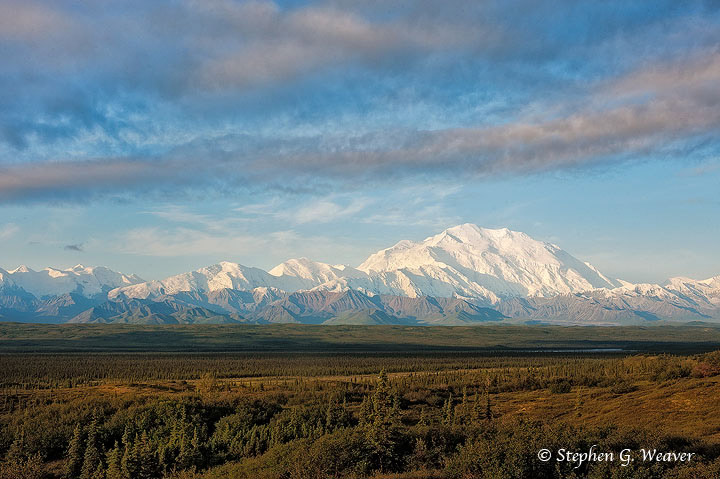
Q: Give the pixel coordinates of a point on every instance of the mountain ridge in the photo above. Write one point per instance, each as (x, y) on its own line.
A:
(465, 260)
(501, 270)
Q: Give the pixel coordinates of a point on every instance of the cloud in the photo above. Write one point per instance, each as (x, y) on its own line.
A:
(285, 44)
(8, 230)
(232, 244)
(679, 102)
(326, 211)
(191, 61)
(28, 21)
(183, 242)
(74, 69)
(74, 247)
(323, 210)
(97, 70)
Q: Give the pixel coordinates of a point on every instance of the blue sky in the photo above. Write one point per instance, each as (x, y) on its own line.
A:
(156, 138)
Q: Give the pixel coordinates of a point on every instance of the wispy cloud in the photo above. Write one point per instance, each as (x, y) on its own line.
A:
(184, 242)
(231, 244)
(90, 67)
(325, 211)
(129, 123)
(8, 230)
(74, 247)
(679, 101)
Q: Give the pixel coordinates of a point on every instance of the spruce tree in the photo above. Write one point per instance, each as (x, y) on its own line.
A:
(196, 455)
(423, 418)
(464, 404)
(130, 462)
(448, 411)
(99, 473)
(92, 458)
(147, 459)
(114, 459)
(73, 465)
(382, 427)
(477, 412)
(365, 416)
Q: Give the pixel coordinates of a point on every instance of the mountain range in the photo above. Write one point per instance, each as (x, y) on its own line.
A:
(463, 275)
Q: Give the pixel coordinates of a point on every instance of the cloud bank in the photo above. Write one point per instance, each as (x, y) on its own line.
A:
(123, 99)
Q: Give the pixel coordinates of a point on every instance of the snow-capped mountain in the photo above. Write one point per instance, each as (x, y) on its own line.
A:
(465, 260)
(224, 275)
(444, 278)
(88, 281)
(290, 276)
(475, 262)
(313, 273)
(699, 291)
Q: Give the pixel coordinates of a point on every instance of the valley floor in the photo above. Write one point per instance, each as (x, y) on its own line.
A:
(374, 405)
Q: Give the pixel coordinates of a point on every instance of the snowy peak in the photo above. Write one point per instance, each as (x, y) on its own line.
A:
(21, 269)
(291, 276)
(476, 261)
(466, 261)
(224, 275)
(87, 281)
(306, 269)
(487, 266)
(314, 273)
(710, 284)
(466, 265)
(465, 244)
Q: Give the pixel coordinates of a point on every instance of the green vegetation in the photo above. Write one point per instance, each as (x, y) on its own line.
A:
(380, 413)
(18, 337)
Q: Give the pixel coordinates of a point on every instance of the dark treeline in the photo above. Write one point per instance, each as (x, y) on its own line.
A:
(322, 416)
(66, 370)
(98, 338)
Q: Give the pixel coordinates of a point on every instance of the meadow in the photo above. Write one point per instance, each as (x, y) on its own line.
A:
(111, 402)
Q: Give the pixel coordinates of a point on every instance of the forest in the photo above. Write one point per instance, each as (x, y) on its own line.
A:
(378, 413)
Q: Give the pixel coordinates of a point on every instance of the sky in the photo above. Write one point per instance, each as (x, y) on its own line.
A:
(159, 137)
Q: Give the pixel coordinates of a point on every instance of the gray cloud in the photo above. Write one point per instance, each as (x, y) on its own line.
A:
(95, 67)
(72, 68)
(27, 21)
(74, 247)
(659, 104)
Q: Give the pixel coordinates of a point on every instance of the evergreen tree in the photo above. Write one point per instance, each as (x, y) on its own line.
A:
(365, 416)
(114, 459)
(73, 465)
(448, 411)
(147, 459)
(92, 459)
(383, 427)
(99, 473)
(464, 409)
(183, 459)
(477, 412)
(488, 410)
(129, 465)
(330, 416)
(394, 417)
(195, 454)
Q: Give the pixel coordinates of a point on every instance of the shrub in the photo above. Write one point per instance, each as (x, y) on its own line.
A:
(623, 387)
(561, 386)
